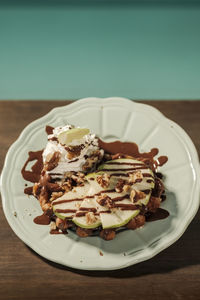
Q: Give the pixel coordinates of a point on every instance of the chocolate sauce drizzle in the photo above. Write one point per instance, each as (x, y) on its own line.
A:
(44, 219)
(113, 148)
(33, 175)
(130, 148)
(158, 215)
(49, 129)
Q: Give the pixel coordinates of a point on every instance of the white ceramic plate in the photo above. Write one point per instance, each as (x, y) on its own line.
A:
(111, 119)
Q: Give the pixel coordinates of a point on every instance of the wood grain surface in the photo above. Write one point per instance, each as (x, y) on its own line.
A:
(172, 274)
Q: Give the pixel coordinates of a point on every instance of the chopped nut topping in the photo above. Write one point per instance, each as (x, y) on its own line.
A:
(74, 151)
(78, 178)
(103, 180)
(92, 160)
(139, 195)
(126, 187)
(132, 195)
(90, 217)
(52, 225)
(72, 179)
(67, 185)
(62, 224)
(35, 189)
(135, 177)
(46, 206)
(81, 175)
(55, 195)
(105, 200)
(136, 195)
(68, 174)
(119, 186)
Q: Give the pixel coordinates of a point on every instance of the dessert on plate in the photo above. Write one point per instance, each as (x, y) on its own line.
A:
(94, 187)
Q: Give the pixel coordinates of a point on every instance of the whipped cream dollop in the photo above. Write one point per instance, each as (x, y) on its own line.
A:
(88, 145)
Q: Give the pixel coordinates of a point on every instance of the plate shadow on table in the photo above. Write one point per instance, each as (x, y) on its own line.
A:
(184, 252)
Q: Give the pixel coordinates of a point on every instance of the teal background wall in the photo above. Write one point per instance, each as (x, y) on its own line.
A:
(73, 49)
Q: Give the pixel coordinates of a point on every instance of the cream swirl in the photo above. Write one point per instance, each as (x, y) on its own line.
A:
(88, 145)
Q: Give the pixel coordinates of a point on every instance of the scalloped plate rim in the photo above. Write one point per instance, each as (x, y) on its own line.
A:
(159, 247)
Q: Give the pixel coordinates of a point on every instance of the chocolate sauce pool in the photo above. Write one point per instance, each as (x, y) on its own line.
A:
(113, 148)
(130, 148)
(49, 129)
(33, 175)
(158, 215)
(44, 219)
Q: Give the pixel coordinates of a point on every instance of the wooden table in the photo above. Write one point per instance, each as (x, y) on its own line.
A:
(172, 274)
